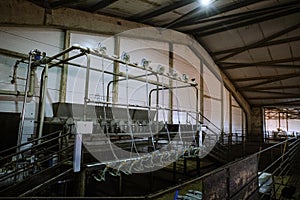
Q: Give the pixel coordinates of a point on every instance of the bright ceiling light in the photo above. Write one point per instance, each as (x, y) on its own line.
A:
(205, 2)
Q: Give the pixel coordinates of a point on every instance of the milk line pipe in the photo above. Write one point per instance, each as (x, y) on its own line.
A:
(83, 51)
(96, 53)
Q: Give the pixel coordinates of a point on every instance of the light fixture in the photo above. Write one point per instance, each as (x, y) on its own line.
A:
(205, 2)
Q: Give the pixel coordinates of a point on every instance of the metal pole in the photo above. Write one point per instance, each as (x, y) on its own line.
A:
(171, 66)
(21, 125)
(87, 81)
(42, 101)
(64, 71)
(115, 90)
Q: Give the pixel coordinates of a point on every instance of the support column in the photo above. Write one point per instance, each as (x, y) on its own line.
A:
(80, 183)
(171, 65)
(201, 93)
(222, 113)
(230, 119)
(256, 124)
(64, 70)
(184, 165)
(174, 172)
(120, 184)
(116, 70)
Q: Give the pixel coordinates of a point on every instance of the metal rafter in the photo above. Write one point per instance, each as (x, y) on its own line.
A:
(170, 24)
(280, 103)
(61, 3)
(272, 92)
(101, 4)
(266, 44)
(214, 12)
(279, 78)
(271, 88)
(142, 17)
(247, 16)
(262, 77)
(246, 23)
(255, 44)
(249, 13)
(296, 96)
(233, 65)
(44, 4)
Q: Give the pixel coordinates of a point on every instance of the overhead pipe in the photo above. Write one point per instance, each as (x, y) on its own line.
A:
(44, 81)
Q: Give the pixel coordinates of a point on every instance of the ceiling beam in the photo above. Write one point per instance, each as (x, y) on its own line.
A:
(245, 16)
(266, 44)
(296, 96)
(255, 44)
(213, 12)
(282, 77)
(233, 65)
(61, 3)
(271, 92)
(280, 103)
(271, 88)
(101, 4)
(265, 66)
(242, 14)
(203, 32)
(170, 24)
(142, 17)
(262, 77)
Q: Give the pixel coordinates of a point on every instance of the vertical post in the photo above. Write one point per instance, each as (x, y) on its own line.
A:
(222, 114)
(21, 126)
(80, 183)
(184, 165)
(64, 70)
(201, 93)
(230, 120)
(174, 171)
(287, 123)
(43, 101)
(116, 70)
(82, 127)
(171, 66)
(87, 82)
(279, 124)
(151, 181)
(120, 184)
(198, 165)
(201, 98)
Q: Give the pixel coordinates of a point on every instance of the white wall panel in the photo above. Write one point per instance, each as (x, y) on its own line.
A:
(23, 40)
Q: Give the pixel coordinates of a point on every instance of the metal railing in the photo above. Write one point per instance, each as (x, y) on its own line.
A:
(281, 158)
(21, 162)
